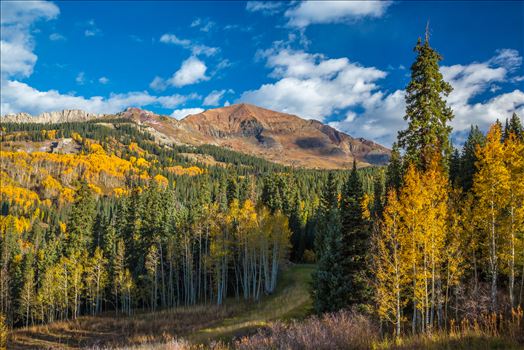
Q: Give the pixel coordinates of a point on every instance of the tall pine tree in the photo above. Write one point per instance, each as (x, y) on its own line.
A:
(426, 110)
(355, 239)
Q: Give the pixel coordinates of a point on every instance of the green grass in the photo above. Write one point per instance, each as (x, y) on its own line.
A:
(290, 300)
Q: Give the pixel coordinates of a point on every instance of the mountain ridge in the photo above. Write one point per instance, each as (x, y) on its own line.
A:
(279, 137)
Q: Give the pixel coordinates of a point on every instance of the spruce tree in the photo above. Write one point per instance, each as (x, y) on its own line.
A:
(426, 110)
(355, 238)
(469, 158)
(81, 220)
(514, 126)
(455, 168)
(394, 170)
(329, 284)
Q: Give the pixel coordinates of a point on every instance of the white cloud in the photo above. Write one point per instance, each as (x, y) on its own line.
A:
(173, 39)
(265, 7)
(383, 117)
(92, 29)
(17, 44)
(176, 100)
(18, 97)
(313, 86)
(181, 113)
(214, 97)
(80, 78)
(471, 80)
(158, 84)
(311, 12)
(56, 37)
(196, 49)
(18, 60)
(103, 80)
(203, 24)
(192, 71)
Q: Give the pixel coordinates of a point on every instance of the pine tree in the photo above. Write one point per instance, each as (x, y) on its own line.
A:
(81, 219)
(426, 110)
(514, 126)
(469, 158)
(328, 281)
(394, 170)
(328, 203)
(455, 168)
(355, 239)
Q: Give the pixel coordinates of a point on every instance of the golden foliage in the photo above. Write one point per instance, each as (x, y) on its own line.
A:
(190, 171)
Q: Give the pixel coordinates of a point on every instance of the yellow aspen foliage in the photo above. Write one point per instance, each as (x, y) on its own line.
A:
(142, 163)
(514, 220)
(367, 200)
(96, 149)
(119, 192)
(97, 190)
(67, 195)
(76, 136)
(162, 181)
(51, 134)
(20, 224)
(133, 147)
(51, 186)
(190, 171)
(390, 265)
(63, 227)
(491, 188)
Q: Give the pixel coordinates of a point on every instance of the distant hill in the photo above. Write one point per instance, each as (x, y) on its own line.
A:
(278, 137)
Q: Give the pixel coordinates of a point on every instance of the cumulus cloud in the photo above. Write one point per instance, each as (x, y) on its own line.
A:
(181, 113)
(311, 12)
(18, 96)
(317, 87)
(313, 86)
(191, 71)
(18, 60)
(17, 44)
(383, 117)
(214, 97)
(195, 48)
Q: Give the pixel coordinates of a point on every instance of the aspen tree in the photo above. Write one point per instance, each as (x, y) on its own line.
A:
(390, 270)
(491, 186)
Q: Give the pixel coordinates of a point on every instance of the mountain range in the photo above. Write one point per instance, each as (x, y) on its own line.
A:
(278, 137)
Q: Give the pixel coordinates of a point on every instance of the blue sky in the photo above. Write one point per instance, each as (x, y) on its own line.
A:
(343, 63)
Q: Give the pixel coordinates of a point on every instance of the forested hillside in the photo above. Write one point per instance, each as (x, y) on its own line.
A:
(99, 217)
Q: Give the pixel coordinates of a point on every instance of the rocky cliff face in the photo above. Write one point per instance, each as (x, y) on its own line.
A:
(279, 137)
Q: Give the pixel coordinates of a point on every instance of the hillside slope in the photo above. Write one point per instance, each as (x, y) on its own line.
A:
(278, 137)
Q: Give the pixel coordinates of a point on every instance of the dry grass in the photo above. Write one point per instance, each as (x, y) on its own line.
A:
(198, 324)
(120, 331)
(344, 330)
